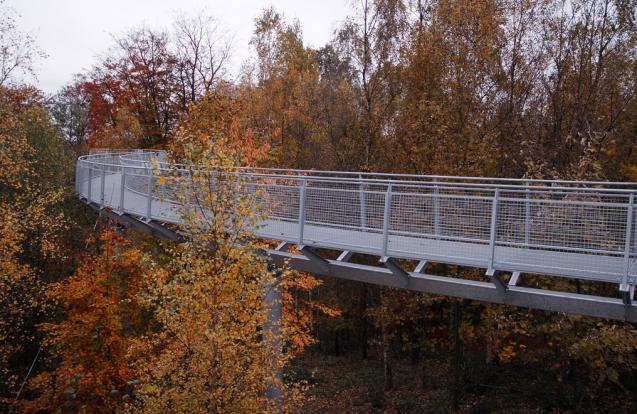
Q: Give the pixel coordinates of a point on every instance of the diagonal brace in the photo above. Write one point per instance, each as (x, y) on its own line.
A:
(149, 226)
(495, 276)
(323, 264)
(515, 278)
(395, 269)
(283, 247)
(344, 256)
(420, 268)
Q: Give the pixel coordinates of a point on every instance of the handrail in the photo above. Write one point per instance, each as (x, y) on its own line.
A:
(357, 177)
(303, 172)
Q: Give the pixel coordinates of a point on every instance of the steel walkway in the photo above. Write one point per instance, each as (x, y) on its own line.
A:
(578, 230)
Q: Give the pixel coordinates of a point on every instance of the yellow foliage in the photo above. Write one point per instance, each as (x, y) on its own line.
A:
(211, 353)
(31, 230)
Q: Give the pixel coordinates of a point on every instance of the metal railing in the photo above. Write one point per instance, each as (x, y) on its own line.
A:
(564, 228)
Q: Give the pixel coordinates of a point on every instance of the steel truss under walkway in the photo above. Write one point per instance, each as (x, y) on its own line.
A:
(508, 227)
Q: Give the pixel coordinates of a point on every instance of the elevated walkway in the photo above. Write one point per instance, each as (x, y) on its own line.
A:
(578, 230)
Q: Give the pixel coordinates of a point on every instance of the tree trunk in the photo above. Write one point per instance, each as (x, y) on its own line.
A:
(387, 372)
(337, 348)
(363, 331)
(424, 374)
(456, 318)
(489, 354)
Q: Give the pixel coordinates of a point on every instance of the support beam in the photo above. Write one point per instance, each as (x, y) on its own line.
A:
(627, 293)
(314, 257)
(344, 256)
(573, 303)
(165, 233)
(495, 276)
(396, 270)
(515, 277)
(420, 267)
(154, 228)
(272, 328)
(283, 247)
(566, 302)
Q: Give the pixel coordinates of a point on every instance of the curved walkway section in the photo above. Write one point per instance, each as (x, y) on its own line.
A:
(580, 230)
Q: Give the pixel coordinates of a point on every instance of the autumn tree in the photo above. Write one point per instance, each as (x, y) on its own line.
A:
(281, 91)
(450, 61)
(142, 69)
(137, 79)
(103, 315)
(202, 50)
(18, 51)
(34, 251)
(369, 42)
(149, 75)
(220, 117)
(70, 110)
(212, 352)
(34, 178)
(591, 46)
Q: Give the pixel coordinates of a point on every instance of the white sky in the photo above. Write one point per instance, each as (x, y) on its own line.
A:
(74, 32)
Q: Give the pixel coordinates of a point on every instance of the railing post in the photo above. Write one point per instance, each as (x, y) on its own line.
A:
(90, 181)
(150, 194)
(362, 203)
(251, 186)
(386, 217)
(190, 188)
(492, 236)
(302, 209)
(527, 216)
(102, 182)
(122, 189)
(629, 227)
(437, 212)
(634, 232)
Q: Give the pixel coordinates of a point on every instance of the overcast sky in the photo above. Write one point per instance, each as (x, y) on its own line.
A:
(74, 32)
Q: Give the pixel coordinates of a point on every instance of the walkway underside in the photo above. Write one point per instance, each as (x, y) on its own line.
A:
(391, 275)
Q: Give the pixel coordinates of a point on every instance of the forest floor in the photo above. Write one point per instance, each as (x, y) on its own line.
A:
(348, 384)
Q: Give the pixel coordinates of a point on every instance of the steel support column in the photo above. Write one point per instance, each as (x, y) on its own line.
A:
(272, 328)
